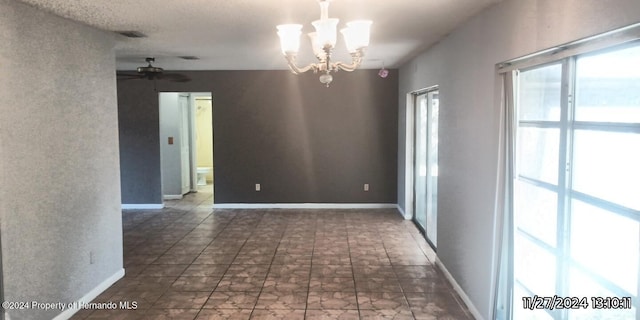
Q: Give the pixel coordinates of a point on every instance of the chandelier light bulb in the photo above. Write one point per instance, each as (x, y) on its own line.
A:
(289, 37)
(356, 34)
(318, 50)
(326, 31)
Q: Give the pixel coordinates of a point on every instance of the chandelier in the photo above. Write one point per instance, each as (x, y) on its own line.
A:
(323, 40)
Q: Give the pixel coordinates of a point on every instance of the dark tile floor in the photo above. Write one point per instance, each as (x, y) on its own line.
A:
(189, 261)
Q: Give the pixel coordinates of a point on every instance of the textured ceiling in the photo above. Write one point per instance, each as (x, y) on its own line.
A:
(241, 34)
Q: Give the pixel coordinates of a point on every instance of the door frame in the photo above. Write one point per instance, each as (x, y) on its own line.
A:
(191, 97)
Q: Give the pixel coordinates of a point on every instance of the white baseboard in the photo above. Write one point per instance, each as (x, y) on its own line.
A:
(472, 308)
(143, 206)
(402, 212)
(67, 314)
(172, 197)
(305, 206)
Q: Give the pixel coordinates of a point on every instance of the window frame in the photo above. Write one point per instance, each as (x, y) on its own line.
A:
(567, 126)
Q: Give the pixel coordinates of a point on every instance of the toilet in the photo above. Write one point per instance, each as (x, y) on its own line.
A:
(202, 175)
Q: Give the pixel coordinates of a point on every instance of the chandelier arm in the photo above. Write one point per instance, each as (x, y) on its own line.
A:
(356, 60)
(291, 61)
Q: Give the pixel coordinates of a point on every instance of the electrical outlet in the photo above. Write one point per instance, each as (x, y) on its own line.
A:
(92, 257)
(366, 187)
(257, 187)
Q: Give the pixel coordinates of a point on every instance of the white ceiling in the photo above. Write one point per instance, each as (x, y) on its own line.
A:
(241, 34)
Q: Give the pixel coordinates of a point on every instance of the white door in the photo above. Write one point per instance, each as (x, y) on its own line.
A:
(183, 102)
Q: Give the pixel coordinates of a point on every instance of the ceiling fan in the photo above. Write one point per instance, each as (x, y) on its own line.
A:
(150, 72)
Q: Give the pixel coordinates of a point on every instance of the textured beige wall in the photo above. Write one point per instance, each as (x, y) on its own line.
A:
(59, 172)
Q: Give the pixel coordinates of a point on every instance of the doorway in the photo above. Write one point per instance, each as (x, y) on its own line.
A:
(202, 138)
(425, 186)
(186, 143)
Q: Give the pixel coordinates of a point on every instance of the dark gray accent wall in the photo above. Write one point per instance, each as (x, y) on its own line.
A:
(303, 142)
(139, 127)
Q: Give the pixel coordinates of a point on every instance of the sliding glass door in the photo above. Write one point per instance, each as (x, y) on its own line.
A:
(537, 186)
(426, 163)
(577, 186)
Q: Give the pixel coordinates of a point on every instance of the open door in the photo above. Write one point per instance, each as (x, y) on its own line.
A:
(185, 160)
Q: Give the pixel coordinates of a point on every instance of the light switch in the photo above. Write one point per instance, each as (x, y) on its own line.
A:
(170, 140)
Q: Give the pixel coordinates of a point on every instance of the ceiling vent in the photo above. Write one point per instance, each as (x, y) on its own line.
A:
(132, 34)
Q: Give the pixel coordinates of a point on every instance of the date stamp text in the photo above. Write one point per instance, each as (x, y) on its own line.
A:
(556, 302)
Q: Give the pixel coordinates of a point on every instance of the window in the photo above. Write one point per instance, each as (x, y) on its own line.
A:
(576, 218)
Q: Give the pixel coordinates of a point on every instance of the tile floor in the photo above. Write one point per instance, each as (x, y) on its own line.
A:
(189, 261)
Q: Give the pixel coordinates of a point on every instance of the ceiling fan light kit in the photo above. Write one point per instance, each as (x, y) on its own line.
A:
(356, 36)
(150, 71)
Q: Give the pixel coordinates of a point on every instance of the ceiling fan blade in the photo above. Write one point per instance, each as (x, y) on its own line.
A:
(128, 76)
(175, 77)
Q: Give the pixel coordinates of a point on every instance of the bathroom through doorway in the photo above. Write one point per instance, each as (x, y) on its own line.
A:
(202, 137)
(186, 148)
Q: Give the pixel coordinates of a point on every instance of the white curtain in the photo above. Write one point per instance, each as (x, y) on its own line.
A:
(503, 286)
